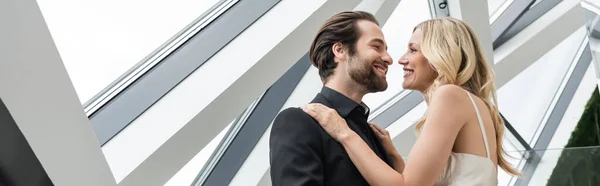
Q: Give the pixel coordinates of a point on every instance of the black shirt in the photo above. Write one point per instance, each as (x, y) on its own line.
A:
(302, 153)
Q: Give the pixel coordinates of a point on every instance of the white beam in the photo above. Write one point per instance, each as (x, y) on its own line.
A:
(537, 39)
(163, 163)
(525, 48)
(39, 95)
(475, 14)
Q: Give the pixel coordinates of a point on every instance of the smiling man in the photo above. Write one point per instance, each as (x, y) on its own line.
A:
(351, 54)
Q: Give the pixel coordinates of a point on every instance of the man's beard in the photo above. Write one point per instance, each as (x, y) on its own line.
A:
(363, 73)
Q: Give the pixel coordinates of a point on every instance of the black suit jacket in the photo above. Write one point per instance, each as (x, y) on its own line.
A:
(302, 153)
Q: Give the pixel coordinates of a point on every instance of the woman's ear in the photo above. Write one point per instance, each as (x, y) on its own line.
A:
(339, 52)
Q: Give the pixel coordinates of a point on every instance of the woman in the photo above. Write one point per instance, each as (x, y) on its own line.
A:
(460, 135)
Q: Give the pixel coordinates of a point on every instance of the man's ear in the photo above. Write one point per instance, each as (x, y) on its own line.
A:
(338, 51)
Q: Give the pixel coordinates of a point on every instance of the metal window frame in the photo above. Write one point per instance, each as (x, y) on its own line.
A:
(516, 134)
(397, 108)
(516, 18)
(139, 69)
(150, 87)
(508, 17)
(439, 8)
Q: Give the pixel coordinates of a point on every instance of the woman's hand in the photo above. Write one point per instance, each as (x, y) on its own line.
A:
(384, 137)
(386, 141)
(329, 119)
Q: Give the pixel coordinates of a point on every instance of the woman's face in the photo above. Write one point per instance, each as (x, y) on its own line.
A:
(418, 73)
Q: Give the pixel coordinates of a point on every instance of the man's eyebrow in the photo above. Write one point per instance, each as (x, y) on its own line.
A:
(377, 40)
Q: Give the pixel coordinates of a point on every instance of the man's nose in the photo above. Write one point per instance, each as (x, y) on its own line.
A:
(387, 59)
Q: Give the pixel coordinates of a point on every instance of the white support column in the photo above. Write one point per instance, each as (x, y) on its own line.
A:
(475, 14)
(38, 93)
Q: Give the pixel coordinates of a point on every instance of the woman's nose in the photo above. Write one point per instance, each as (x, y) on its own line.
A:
(402, 61)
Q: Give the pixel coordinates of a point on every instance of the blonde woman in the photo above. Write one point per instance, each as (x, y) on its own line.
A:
(460, 136)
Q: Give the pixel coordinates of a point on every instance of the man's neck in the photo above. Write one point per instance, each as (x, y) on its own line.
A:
(349, 90)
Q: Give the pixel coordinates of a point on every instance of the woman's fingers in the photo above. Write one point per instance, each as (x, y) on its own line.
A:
(381, 130)
(328, 118)
(313, 110)
(375, 130)
(310, 111)
(323, 114)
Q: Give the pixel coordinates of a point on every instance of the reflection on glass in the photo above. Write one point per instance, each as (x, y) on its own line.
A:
(100, 40)
(397, 31)
(525, 99)
(568, 166)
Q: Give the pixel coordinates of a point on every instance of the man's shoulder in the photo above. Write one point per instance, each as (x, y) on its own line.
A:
(293, 115)
(294, 124)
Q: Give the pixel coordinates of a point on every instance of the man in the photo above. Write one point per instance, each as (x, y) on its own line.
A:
(351, 55)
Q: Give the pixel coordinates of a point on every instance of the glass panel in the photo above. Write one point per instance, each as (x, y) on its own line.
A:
(566, 166)
(100, 40)
(525, 99)
(517, 161)
(397, 32)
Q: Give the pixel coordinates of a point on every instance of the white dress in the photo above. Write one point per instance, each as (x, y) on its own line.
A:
(468, 169)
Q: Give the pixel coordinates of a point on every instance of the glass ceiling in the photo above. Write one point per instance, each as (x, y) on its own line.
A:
(100, 40)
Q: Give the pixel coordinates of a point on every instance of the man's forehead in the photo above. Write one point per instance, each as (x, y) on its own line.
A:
(368, 26)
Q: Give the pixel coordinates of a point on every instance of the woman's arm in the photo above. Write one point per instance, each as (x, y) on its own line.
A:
(446, 115)
(386, 141)
(398, 161)
(373, 169)
(449, 110)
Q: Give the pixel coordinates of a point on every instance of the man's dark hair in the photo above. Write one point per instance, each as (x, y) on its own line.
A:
(342, 28)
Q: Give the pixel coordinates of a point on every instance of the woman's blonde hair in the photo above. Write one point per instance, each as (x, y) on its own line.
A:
(454, 51)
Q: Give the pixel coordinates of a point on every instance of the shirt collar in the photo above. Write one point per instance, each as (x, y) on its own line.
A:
(342, 104)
